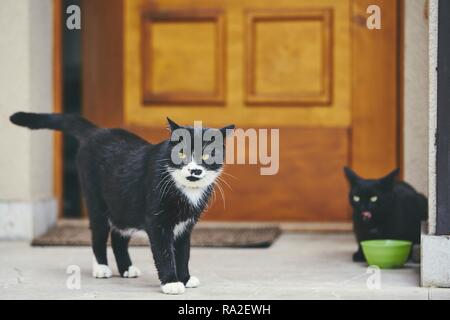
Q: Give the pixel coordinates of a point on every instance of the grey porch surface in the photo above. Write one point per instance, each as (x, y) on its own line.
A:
(297, 266)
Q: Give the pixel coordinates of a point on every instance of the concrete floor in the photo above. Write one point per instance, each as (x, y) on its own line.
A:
(297, 266)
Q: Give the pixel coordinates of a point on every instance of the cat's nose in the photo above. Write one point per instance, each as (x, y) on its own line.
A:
(196, 172)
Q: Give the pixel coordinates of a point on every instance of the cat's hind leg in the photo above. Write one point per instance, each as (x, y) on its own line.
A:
(100, 228)
(100, 231)
(119, 244)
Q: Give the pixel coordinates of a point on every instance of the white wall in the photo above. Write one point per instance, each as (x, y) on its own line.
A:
(416, 94)
(433, 63)
(27, 206)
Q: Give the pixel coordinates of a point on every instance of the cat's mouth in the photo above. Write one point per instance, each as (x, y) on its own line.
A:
(190, 181)
(366, 216)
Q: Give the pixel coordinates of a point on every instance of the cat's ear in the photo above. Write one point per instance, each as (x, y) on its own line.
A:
(228, 130)
(387, 181)
(172, 125)
(352, 177)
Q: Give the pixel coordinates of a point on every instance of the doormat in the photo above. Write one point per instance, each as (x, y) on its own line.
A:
(77, 233)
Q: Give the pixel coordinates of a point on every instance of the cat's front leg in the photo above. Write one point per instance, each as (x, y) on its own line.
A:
(162, 245)
(182, 253)
(358, 256)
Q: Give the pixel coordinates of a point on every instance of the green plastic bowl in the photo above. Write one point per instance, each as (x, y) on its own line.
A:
(386, 254)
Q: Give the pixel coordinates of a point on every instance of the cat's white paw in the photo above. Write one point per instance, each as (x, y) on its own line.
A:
(173, 288)
(132, 272)
(101, 271)
(193, 282)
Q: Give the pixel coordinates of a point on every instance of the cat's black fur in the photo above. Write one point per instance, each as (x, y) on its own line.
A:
(395, 212)
(123, 179)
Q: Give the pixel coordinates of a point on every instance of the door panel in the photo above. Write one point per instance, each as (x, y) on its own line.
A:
(289, 56)
(182, 57)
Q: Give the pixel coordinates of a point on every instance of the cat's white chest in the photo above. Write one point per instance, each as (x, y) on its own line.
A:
(180, 228)
(194, 195)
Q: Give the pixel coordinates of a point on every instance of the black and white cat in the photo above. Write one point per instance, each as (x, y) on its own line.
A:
(130, 184)
(385, 209)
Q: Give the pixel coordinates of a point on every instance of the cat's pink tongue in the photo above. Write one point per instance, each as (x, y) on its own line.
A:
(366, 215)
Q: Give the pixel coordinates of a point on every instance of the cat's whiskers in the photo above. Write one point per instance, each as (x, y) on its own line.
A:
(212, 199)
(229, 174)
(221, 179)
(165, 190)
(165, 178)
(166, 187)
(217, 184)
(214, 192)
(214, 195)
(166, 183)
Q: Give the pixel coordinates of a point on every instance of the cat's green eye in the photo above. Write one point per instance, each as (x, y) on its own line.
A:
(205, 157)
(182, 155)
(374, 199)
(356, 198)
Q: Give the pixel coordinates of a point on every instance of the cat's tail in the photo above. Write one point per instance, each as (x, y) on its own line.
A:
(71, 124)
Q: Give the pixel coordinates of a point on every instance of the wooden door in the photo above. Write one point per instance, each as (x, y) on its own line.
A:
(258, 64)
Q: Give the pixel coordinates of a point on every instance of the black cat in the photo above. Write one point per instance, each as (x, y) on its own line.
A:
(130, 184)
(385, 209)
